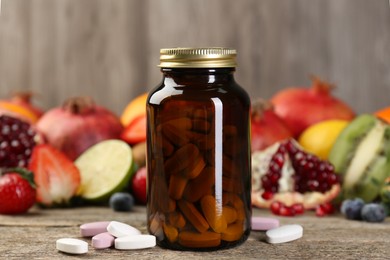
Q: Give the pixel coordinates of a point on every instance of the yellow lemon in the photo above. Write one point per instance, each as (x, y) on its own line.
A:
(320, 137)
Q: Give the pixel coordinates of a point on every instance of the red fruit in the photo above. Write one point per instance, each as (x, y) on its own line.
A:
(138, 185)
(77, 125)
(17, 139)
(17, 191)
(275, 207)
(266, 127)
(324, 209)
(298, 208)
(302, 107)
(286, 211)
(56, 176)
(135, 132)
(293, 176)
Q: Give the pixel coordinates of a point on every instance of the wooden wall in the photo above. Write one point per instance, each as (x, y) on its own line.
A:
(109, 49)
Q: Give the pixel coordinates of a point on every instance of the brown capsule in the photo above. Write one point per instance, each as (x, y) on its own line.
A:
(233, 232)
(170, 232)
(175, 136)
(200, 125)
(231, 185)
(181, 159)
(200, 186)
(230, 214)
(176, 219)
(194, 169)
(202, 114)
(177, 185)
(193, 216)
(182, 123)
(199, 240)
(213, 212)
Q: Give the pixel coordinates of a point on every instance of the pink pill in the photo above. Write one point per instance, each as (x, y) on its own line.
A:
(262, 224)
(103, 240)
(93, 228)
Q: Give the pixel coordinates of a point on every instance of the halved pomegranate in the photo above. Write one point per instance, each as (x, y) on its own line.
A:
(287, 174)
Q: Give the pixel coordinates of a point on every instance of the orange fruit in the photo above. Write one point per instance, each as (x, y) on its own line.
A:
(17, 111)
(383, 114)
(134, 109)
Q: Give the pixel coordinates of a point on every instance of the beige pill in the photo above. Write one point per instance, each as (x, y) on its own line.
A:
(193, 216)
(213, 213)
(202, 240)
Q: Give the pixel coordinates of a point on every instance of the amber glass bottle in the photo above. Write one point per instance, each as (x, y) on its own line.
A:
(198, 152)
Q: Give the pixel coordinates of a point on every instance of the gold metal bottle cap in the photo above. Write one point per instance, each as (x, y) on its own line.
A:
(198, 58)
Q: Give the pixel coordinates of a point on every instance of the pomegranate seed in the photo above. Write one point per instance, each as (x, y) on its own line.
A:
(327, 207)
(278, 159)
(16, 137)
(274, 167)
(286, 211)
(275, 207)
(267, 195)
(274, 177)
(320, 212)
(291, 148)
(298, 208)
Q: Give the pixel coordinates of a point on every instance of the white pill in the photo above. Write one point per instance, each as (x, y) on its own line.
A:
(119, 229)
(284, 234)
(72, 246)
(135, 242)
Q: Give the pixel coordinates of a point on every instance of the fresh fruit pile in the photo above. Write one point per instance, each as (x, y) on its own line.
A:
(74, 152)
(286, 174)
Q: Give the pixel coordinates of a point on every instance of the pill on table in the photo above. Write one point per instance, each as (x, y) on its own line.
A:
(284, 234)
(72, 246)
(93, 228)
(135, 242)
(263, 224)
(119, 229)
(103, 240)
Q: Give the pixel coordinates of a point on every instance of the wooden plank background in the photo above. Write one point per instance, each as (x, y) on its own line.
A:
(109, 49)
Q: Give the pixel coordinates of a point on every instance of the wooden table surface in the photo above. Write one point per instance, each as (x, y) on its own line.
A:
(33, 236)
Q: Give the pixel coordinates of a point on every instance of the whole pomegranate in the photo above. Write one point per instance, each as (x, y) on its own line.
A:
(302, 107)
(287, 174)
(266, 127)
(77, 125)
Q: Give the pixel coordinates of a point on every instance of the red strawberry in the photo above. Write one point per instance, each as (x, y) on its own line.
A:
(138, 185)
(17, 191)
(135, 132)
(56, 176)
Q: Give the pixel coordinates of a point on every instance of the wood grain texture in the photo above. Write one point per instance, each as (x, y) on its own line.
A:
(33, 236)
(109, 49)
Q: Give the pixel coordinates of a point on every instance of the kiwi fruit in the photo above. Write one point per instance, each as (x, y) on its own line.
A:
(361, 154)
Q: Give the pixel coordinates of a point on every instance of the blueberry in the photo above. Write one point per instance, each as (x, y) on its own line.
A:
(373, 212)
(121, 201)
(351, 208)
